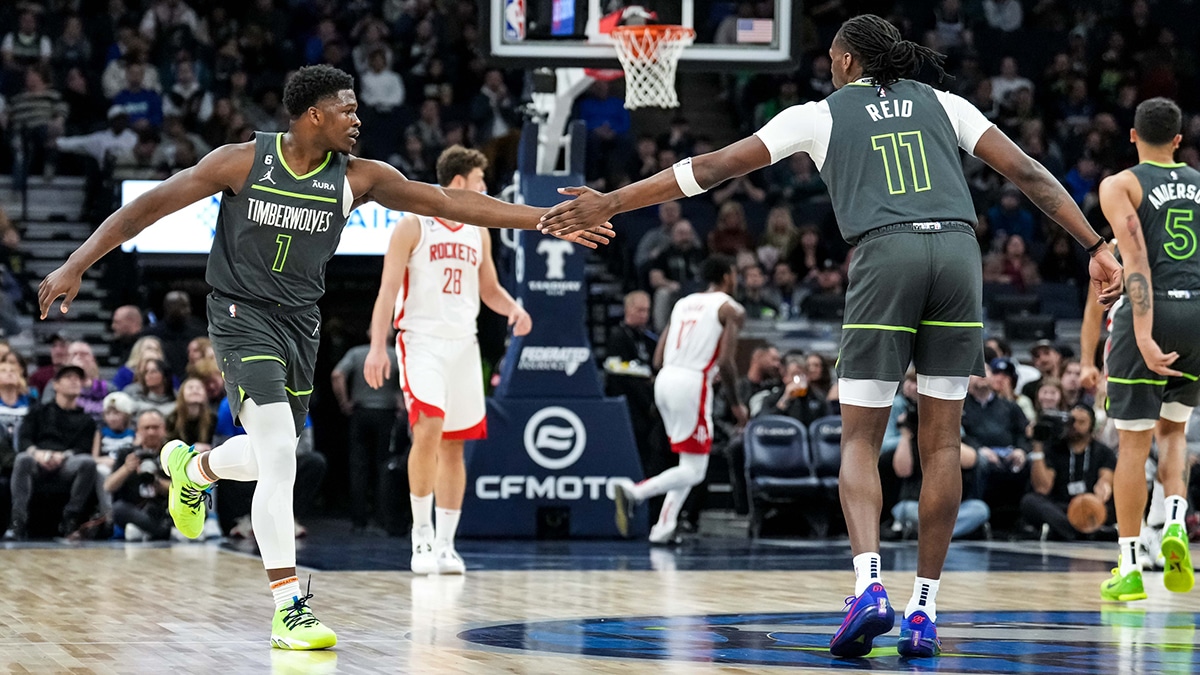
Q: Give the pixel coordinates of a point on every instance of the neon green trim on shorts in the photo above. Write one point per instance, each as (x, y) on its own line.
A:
(878, 326)
(954, 324)
(263, 357)
(297, 195)
(1121, 380)
(241, 394)
(1191, 377)
(298, 394)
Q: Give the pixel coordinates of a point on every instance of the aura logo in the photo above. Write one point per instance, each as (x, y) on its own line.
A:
(555, 438)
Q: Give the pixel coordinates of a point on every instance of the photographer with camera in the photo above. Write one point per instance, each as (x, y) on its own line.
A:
(1066, 462)
(995, 428)
(138, 486)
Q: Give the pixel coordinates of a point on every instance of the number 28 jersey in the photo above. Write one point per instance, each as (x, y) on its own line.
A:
(888, 155)
(694, 334)
(440, 293)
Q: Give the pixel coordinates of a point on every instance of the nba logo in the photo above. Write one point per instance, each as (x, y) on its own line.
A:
(514, 20)
(233, 310)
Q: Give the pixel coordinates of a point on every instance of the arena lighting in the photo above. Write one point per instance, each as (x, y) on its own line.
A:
(190, 230)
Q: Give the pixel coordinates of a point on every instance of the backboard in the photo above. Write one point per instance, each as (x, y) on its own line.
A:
(760, 36)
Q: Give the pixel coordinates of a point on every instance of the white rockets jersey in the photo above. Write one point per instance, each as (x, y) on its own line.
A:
(694, 336)
(440, 293)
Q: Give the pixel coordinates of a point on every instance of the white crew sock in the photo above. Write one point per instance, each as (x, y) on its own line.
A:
(285, 590)
(866, 572)
(1129, 555)
(447, 524)
(924, 598)
(1176, 509)
(422, 510)
(1157, 514)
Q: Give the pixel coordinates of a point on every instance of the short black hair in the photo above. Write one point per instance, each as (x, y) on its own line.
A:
(1091, 412)
(311, 84)
(715, 268)
(1157, 120)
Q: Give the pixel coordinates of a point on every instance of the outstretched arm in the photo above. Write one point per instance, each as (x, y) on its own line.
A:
(1117, 199)
(391, 189)
(1048, 194)
(225, 168)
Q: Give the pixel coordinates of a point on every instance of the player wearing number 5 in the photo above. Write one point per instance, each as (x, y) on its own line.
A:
(888, 150)
(1155, 355)
(286, 199)
(435, 273)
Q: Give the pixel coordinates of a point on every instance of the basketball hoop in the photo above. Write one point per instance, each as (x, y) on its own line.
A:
(649, 54)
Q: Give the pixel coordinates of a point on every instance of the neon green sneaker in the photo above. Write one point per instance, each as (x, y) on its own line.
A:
(1178, 576)
(187, 499)
(295, 627)
(1123, 588)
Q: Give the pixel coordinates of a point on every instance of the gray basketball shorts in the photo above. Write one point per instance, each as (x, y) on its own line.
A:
(267, 354)
(1134, 391)
(915, 295)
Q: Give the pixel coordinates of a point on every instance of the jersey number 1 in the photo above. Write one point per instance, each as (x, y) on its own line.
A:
(285, 243)
(897, 147)
(1183, 238)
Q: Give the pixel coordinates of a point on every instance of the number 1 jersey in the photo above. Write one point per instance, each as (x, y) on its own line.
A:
(440, 293)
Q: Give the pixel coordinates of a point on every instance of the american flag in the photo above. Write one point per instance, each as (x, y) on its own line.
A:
(755, 31)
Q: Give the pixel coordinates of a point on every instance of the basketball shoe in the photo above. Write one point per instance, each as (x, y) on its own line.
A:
(295, 627)
(918, 637)
(1178, 575)
(424, 560)
(626, 503)
(449, 561)
(1150, 545)
(1123, 588)
(867, 617)
(187, 499)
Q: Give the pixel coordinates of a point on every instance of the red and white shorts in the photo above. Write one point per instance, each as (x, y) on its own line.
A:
(684, 399)
(443, 378)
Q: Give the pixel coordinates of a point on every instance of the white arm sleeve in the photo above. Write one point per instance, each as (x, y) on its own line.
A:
(800, 128)
(969, 123)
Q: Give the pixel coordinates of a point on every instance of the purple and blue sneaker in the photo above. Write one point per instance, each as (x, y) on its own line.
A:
(867, 617)
(918, 637)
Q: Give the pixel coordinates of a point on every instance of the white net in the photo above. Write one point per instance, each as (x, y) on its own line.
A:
(649, 55)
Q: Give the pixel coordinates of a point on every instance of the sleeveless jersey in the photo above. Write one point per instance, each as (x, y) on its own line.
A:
(1168, 212)
(274, 237)
(893, 158)
(694, 335)
(440, 294)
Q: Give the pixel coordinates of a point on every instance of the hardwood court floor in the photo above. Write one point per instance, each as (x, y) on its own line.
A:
(586, 607)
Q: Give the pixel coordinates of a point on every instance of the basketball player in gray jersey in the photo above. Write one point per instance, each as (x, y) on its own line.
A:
(887, 148)
(286, 198)
(1154, 363)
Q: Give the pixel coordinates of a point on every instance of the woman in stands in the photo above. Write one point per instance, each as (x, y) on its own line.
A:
(152, 388)
(192, 421)
(146, 347)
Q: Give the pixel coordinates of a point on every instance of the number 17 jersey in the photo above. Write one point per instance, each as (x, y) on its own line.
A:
(440, 293)
(694, 334)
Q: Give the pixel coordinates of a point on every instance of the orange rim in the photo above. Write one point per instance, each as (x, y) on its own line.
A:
(660, 31)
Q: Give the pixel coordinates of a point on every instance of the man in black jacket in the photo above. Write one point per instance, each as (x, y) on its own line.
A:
(138, 485)
(995, 428)
(55, 446)
(627, 368)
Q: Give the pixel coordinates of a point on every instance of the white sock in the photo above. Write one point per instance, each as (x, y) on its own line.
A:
(196, 474)
(1176, 509)
(447, 524)
(924, 598)
(866, 572)
(690, 472)
(669, 516)
(422, 510)
(284, 591)
(1157, 514)
(1129, 555)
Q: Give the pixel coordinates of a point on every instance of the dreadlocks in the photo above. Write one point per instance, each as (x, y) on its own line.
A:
(886, 56)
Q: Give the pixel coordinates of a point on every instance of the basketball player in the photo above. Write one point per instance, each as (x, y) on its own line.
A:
(435, 273)
(286, 198)
(1155, 353)
(887, 148)
(703, 333)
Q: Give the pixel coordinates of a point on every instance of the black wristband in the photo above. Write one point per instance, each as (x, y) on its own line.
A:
(1094, 247)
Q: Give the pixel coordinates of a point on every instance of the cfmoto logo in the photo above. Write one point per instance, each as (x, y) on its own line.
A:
(550, 433)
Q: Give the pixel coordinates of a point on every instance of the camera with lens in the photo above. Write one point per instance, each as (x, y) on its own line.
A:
(1052, 425)
(147, 466)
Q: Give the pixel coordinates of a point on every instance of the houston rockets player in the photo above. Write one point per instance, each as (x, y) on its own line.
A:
(702, 334)
(435, 273)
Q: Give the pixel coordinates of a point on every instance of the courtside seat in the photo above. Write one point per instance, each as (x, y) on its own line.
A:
(779, 466)
(825, 439)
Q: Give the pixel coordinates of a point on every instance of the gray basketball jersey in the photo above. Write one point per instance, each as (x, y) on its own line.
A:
(892, 158)
(1170, 202)
(274, 237)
